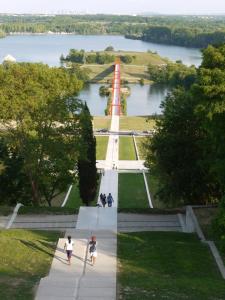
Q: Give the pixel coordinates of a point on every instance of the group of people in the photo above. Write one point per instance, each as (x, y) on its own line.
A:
(106, 200)
(92, 249)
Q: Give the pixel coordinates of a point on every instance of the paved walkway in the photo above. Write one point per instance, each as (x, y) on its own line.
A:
(82, 281)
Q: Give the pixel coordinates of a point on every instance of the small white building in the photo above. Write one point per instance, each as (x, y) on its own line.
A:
(9, 58)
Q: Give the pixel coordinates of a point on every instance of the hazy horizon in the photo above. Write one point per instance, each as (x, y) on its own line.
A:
(171, 7)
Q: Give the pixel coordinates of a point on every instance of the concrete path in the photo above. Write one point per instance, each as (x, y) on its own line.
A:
(81, 280)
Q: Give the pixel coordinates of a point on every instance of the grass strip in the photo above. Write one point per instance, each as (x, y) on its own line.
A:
(126, 148)
(101, 147)
(132, 192)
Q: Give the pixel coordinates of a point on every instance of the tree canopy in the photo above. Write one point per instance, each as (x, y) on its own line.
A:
(187, 151)
(40, 131)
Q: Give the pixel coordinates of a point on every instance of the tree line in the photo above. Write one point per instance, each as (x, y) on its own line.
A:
(188, 31)
(187, 37)
(187, 152)
(46, 136)
(105, 57)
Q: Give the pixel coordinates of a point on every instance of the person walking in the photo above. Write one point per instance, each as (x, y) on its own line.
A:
(101, 198)
(110, 200)
(104, 200)
(69, 248)
(93, 249)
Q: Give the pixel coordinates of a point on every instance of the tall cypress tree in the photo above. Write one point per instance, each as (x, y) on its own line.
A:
(88, 177)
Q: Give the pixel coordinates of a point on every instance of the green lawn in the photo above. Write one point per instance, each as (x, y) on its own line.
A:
(132, 192)
(126, 148)
(141, 149)
(136, 123)
(101, 147)
(101, 122)
(167, 265)
(25, 257)
(74, 200)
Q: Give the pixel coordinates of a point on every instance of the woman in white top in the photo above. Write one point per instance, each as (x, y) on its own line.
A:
(69, 248)
(93, 249)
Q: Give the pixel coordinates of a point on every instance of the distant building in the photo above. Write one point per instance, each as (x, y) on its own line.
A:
(9, 58)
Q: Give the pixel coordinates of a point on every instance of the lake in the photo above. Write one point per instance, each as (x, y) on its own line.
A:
(48, 48)
(143, 100)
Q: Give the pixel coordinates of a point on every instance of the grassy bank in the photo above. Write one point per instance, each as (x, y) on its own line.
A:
(26, 257)
(163, 265)
(205, 218)
(153, 185)
(131, 73)
(141, 150)
(132, 192)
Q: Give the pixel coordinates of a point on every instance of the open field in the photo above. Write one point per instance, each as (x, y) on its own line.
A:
(26, 257)
(167, 265)
(126, 148)
(132, 192)
(139, 123)
(136, 123)
(131, 73)
(101, 122)
(101, 147)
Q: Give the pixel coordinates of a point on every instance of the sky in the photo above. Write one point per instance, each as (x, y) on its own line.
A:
(114, 6)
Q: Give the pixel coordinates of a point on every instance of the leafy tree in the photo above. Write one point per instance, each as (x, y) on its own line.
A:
(127, 59)
(13, 181)
(109, 48)
(187, 151)
(87, 170)
(210, 92)
(40, 117)
(174, 153)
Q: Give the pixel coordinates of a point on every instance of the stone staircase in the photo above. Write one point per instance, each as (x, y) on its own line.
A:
(140, 222)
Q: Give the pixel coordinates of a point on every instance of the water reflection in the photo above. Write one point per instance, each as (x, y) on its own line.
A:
(146, 100)
(143, 100)
(96, 103)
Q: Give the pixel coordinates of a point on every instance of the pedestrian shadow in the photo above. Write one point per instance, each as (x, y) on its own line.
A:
(62, 260)
(34, 246)
(73, 255)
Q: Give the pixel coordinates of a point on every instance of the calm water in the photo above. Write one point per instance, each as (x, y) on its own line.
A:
(48, 48)
(143, 100)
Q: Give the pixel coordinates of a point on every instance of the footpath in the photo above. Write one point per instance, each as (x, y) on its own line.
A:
(81, 280)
